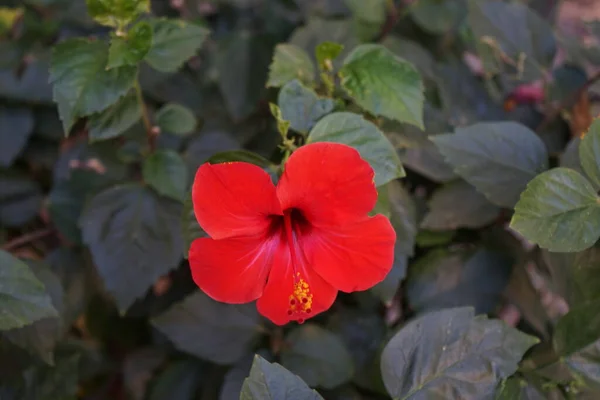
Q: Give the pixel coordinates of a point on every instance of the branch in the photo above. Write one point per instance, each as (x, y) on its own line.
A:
(390, 22)
(150, 131)
(27, 238)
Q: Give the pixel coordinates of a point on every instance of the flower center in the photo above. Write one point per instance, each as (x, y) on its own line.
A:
(301, 298)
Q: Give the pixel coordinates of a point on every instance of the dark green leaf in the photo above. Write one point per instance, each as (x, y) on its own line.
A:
(139, 366)
(20, 198)
(557, 211)
(82, 84)
(579, 328)
(464, 97)
(458, 205)
(584, 363)
(132, 48)
(318, 30)
(387, 289)
(243, 64)
(244, 156)
(566, 80)
(364, 335)
(116, 13)
(177, 119)
(589, 153)
(178, 381)
(16, 126)
(173, 43)
(134, 237)
(515, 388)
(442, 279)
(403, 216)
(30, 86)
(40, 337)
(302, 107)
(451, 354)
(327, 52)
(166, 172)
(427, 238)
(318, 356)
(23, 296)
(115, 120)
(206, 145)
(517, 32)
(384, 84)
(273, 382)
(218, 332)
(190, 228)
(73, 272)
(438, 17)
(57, 382)
(498, 158)
(290, 62)
(353, 130)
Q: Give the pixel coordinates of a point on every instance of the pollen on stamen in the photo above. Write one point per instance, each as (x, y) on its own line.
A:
(292, 302)
(304, 300)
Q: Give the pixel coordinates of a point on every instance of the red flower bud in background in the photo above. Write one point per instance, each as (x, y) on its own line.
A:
(531, 93)
(294, 245)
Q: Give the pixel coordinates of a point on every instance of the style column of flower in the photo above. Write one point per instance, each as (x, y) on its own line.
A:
(292, 246)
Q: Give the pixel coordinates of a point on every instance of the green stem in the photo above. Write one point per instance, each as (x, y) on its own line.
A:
(145, 116)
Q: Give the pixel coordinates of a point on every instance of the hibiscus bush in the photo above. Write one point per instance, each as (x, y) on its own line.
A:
(299, 199)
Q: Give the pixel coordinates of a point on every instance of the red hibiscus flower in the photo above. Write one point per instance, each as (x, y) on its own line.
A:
(293, 246)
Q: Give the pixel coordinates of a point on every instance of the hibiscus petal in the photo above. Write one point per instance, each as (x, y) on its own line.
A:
(352, 257)
(231, 270)
(287, 287)
(329, 182)
(234, 199)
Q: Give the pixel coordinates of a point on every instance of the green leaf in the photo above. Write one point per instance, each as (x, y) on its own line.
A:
(116, 13)
(384, 84)
(589, 152)
(23, 297)
(498, 158)
(451, 354)
(40, 337)
(273, 382)
(442, 279)
(458, 205)
(227, 331)
(176, 119)
(208, 144)
(516, 388)
(166, 172)
(302, 107)
(290, 62)
(353, 130)
(173, 43)
(318, 356)
(134, 237)
(115, 120)
(577, 329)
(438, 17)
(8, 16)
(558, 211)
(190, 228)
(427, 238)
(369, 17)
(82, 84)
(16, 126)
(517, 32)
(130, 49)
(326, 52)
